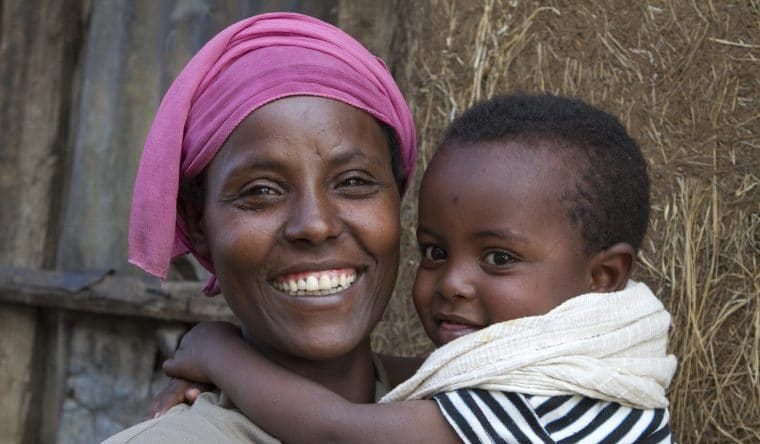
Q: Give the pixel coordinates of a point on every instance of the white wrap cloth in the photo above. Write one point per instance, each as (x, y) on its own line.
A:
(607, 346)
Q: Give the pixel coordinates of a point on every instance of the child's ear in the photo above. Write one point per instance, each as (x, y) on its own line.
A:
(192, 213)
(612, 267)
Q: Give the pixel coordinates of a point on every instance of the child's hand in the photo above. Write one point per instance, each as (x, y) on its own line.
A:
(177, 391)
(194, 354)
(188, 367)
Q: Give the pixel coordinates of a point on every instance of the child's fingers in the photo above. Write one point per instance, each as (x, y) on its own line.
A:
(184, 368)
(175, 368)
(170, 367)
(169, 396)
(192, 394)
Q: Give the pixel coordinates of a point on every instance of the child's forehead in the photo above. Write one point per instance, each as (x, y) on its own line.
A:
(499, 170)
(498, 187)
(529, 154)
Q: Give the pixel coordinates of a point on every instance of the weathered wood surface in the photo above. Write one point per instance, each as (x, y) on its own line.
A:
(102, 292)
(371, 22)
(36, 50)
(37, 53)
(17, 340)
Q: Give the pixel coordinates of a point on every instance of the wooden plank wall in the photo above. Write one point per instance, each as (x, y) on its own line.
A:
(37, 54)
(79, 82)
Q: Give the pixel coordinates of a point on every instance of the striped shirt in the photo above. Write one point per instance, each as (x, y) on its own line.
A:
(482, 416)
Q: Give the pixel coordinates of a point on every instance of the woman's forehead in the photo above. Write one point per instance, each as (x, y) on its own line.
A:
(310, 127)
(306, 116)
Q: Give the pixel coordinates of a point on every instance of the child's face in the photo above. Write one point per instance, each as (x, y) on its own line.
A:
(496, 241)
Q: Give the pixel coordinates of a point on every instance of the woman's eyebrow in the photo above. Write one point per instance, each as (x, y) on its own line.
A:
(255, 164)
(347, 156)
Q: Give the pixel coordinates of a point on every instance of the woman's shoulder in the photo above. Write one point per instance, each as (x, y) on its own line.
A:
(210, 419)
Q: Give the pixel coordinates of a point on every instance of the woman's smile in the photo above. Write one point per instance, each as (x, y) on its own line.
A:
(316, 283)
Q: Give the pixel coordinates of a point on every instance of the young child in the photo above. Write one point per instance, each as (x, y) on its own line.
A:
(530, 216)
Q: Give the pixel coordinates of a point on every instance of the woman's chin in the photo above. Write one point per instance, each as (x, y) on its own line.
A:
(329, 347)
(313, 344)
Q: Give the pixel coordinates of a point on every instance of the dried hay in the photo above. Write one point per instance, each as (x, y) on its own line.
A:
(682, 76)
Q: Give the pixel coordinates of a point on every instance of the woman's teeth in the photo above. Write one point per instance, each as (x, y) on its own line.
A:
(314, 284)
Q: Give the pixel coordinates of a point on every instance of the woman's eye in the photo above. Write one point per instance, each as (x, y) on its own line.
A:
(357, 185)
(499, 258)
(260, 190)
(433, 253)
(257, 196)
(354, 181)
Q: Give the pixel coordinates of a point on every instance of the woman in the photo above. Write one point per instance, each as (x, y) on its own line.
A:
(277, 158)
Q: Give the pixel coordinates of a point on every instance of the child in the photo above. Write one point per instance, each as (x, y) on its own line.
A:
(531, 213)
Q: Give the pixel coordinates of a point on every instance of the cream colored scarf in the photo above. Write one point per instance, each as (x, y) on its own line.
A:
(608, 346)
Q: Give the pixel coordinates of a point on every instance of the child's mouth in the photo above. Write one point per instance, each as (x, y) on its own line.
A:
(450, 328)
(457, 326)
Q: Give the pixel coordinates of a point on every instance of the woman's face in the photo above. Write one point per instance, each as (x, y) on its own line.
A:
(301, 220)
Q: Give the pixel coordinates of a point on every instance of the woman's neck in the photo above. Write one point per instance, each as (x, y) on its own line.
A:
(351, 376)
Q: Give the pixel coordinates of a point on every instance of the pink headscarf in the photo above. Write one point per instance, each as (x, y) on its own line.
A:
(247, 65)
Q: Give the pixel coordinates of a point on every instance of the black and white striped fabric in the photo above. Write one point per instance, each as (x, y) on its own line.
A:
(482, 416)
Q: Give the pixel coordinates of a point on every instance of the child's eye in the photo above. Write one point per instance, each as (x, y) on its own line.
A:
(433, 253)
(499, 258)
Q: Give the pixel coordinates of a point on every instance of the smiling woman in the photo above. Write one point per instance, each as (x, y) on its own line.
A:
(278, 158)
(302, 190)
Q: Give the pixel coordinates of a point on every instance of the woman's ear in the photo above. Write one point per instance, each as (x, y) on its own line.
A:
(192, 212)
(612, 267)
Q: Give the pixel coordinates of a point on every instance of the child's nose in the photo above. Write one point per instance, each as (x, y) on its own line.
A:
(457, 282)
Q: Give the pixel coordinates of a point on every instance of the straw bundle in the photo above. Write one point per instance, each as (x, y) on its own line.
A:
(682, 76)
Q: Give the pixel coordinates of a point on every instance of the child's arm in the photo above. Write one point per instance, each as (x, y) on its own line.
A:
(399, 369)
(293, 408)
(184, 391)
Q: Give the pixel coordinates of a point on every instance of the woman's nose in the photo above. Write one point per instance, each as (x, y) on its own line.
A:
(313, 220)
(457, 282)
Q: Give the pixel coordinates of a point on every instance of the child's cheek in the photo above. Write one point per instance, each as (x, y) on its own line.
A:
(422, 295)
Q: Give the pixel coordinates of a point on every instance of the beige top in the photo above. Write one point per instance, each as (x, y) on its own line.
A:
(211, 419)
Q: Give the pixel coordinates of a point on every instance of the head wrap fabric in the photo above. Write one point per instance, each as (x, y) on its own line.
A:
(249, 64)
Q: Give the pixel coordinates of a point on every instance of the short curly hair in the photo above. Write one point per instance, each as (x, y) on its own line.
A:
(610, 202)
